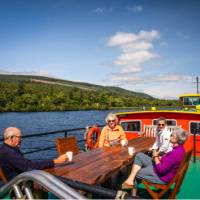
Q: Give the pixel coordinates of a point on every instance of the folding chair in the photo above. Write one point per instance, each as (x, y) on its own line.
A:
(2, 176)
(176, 182)
(67, 144)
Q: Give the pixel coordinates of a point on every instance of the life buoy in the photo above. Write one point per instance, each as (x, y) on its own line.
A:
(92, 138)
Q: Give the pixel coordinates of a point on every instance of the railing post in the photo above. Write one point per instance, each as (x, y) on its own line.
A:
(65, 133)
(194, 142)
(87, 128)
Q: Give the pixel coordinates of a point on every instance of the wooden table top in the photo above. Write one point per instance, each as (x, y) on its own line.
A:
(94, 167)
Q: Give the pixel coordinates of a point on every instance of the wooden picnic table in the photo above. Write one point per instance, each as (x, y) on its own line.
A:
(96, 166)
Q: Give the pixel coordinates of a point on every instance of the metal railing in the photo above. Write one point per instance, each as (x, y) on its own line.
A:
(20, 185)
(65, 133)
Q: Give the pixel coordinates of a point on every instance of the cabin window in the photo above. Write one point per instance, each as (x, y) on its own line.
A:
(170, 122)
(195, 127)
(131, 125)
(191, 101)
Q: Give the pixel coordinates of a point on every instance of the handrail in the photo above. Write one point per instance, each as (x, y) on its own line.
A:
(49, 133)
(95, 189)
(46, 180)
(65, 131)
(62, 188)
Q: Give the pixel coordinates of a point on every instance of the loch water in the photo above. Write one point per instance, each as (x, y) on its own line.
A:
(39, 122)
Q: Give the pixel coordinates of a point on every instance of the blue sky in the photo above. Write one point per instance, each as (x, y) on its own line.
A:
(149, 46)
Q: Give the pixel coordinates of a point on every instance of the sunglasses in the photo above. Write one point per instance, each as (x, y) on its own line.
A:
(161, 124)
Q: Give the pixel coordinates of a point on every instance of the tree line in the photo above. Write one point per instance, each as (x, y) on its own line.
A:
(35, 97)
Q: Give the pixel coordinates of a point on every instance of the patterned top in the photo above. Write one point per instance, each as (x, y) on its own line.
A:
(111, 137)
(162, 142)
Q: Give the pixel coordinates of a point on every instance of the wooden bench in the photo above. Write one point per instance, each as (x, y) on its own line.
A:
(150, 130)
(176, 182)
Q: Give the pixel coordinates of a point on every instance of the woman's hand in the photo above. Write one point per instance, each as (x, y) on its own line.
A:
(156, 156)
(155, 153)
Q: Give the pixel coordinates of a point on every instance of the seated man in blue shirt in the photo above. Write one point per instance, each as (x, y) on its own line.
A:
(12, 160)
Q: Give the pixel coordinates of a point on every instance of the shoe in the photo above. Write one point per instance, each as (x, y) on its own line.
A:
(126, 186)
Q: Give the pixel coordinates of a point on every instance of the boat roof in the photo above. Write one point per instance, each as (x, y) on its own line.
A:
(189, 95)
(189, 111)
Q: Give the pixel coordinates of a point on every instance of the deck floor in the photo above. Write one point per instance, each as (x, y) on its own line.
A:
(190, 188)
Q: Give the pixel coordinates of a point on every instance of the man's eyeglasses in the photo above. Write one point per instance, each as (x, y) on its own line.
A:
(111, 120)
(161, 124)
(19, 137)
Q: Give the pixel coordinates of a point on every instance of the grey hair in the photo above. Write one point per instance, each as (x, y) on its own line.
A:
(9, 132)
(181, 135)
(162, 119)
(111, 115)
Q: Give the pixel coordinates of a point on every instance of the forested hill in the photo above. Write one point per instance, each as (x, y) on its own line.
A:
(37, 93)
(80, 85)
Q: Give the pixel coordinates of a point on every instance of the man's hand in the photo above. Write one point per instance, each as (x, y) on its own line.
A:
(61, 159)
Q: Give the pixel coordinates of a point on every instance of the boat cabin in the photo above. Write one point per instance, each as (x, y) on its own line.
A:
(190, 100)
(134, 123)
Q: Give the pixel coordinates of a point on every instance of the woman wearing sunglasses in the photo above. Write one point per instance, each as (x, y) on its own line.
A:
(112, 133)
(162, 143)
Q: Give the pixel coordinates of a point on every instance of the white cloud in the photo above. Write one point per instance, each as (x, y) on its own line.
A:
(131, 69)
(150, 36)
(100, 11)
(183, 35)
(163, 44)
(35, 73)
(135, 8)
(134, 58)
(121, 38)
(170, 90)
(160, 86)
(158, 79)
(131, 47)
(135, 49)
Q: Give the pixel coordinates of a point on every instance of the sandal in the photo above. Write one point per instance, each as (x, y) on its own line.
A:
(126, 186)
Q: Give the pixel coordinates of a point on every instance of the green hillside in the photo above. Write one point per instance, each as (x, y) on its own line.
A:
(81, 85)
(37, 93)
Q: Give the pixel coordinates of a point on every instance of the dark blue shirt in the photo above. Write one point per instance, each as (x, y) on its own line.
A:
(13, 162)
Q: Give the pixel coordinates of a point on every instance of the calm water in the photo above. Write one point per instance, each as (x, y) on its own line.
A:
(37, 122)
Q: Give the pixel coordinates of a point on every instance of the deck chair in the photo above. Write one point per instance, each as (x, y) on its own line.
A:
(149, 131)
(2, 176)
(174, 185)
(67, 144)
